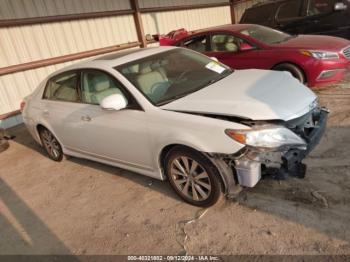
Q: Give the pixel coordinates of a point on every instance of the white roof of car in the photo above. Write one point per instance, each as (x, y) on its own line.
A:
(118, 58)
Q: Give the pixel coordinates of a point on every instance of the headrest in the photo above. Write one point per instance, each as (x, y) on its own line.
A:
(158, 64)
(134, 68)
(219, 39)
(145, 68)
(231, 47)
(101, 83)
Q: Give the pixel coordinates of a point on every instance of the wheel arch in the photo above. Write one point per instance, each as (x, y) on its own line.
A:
(43, 126)
(302, 68)
(166, 149)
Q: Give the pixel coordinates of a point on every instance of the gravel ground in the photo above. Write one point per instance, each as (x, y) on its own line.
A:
(82, 207)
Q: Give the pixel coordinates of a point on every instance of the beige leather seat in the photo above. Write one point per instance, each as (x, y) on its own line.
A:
(147, 78)
(99, 87)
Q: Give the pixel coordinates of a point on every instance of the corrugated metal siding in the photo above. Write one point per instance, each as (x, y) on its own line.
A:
(40, 41)
(14, 87)
(16, 9)
(163, 3)
(29, 43)
(164, 22)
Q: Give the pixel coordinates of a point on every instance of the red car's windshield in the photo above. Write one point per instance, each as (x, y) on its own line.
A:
(266, 35)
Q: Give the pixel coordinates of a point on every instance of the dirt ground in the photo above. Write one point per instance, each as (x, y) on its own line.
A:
(82, 207)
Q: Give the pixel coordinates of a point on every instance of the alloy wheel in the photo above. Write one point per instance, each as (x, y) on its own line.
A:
(51, 144)
(190, 178)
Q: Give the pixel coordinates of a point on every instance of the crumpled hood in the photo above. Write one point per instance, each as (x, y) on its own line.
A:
(253, 94)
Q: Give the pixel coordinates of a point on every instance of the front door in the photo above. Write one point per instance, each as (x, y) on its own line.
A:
(118, 136)
(226, 48)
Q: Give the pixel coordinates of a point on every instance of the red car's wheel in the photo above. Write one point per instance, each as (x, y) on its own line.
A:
(293, 69)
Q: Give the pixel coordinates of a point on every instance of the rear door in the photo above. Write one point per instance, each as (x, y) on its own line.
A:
(62, 109)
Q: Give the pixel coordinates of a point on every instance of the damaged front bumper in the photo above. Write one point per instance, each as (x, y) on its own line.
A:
(252, 163)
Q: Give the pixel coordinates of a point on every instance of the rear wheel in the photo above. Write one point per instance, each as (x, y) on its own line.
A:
(193, 177)
(293, 69)
(51, 144)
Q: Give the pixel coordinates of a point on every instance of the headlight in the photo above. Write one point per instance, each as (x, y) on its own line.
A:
(269, 137)
(322, 55)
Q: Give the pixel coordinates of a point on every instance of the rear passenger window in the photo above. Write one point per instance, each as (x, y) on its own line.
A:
(316, 7)
(290, 9)
(63, 88)
(225, 43)
(97, 85)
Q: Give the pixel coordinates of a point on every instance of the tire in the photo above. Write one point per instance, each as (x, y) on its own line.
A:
(4, 144)
(187, 168)
(51, 144)
(293, 69)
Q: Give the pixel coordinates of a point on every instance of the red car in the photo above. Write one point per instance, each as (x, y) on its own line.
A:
(314, 60)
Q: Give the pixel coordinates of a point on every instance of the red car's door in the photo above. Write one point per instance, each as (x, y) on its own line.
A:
(235, 52)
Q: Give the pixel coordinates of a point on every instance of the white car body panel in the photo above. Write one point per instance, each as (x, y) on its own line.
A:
(254, 94)
(134, 139)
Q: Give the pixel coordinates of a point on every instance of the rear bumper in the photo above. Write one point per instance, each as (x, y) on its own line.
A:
(250, 166)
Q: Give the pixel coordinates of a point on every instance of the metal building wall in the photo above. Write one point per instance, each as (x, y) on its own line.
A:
(164, 22)
(163, 3)
(26, 43)
(16, 9)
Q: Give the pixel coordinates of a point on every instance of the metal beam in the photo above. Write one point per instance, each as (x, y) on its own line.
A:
(66, 58)
(138, 22)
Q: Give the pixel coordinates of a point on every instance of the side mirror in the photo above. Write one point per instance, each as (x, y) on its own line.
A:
(246, 47)
(214, 59)
(114, 102)
(340, 6)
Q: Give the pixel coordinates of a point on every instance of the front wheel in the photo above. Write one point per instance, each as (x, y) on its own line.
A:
(193, 177)
(293, 69)
(51, 144)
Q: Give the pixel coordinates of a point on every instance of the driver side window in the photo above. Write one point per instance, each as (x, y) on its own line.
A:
(225, 43)
(96, 85)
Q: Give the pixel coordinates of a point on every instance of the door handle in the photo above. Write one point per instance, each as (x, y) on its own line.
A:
(86, 118)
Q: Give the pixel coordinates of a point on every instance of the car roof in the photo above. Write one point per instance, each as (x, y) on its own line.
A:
(117, 58)
(229, 27)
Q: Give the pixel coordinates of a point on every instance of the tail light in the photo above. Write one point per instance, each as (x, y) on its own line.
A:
(22, 105)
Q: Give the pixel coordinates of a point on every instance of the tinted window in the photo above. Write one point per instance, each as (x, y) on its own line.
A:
(225, 43)
(289, 10)
(97, 85)
(258, 15)
(320, 6)
(63, 88)
(197, 44)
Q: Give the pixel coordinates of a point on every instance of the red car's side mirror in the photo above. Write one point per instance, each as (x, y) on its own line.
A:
(246, 47)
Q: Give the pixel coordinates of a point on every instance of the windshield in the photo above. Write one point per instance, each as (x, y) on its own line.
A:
(173, 74)
(266, 35)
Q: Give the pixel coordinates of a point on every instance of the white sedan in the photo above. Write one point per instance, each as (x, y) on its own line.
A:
(171, 113)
